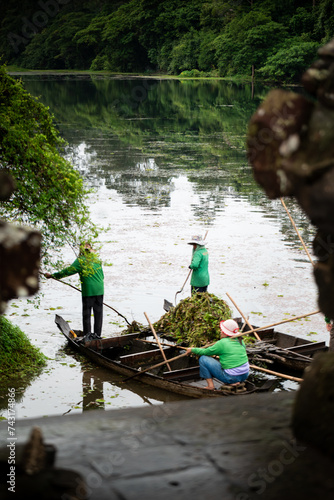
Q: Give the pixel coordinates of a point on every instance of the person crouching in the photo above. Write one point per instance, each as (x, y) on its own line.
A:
(233, 365)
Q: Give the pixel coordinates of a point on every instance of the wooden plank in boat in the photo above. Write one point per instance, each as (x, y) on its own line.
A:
(308, 348)
(119, 341)
(282, 340)
(130, 359)
(183, 374)
(265, 333)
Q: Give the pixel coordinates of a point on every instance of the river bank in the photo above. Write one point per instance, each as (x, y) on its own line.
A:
(240, 79)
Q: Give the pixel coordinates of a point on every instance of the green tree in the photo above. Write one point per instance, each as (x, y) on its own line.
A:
(259, 43)
(121, 34)
(184, 55)
(50, 194)
(57, 46)
(136, 35)
(325, 21)
(302, 22)
(288, 64)
(207, 60)
(230, 45)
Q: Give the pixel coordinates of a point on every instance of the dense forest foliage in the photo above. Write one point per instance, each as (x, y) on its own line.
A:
(49, 193)
(278, 38)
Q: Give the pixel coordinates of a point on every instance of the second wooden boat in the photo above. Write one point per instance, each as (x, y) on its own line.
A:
(283, 351)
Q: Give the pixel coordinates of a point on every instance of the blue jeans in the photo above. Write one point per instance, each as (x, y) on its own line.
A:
(211, 368)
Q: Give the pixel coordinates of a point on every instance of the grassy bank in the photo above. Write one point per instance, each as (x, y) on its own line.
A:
(19, 359)
(188, 75)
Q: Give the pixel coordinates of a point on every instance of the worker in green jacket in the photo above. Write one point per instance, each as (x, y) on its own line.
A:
(200, 278)
(232, 367)
(89, 268)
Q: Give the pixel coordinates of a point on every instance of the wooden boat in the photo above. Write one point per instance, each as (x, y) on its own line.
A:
(129, 354)
(283, 351)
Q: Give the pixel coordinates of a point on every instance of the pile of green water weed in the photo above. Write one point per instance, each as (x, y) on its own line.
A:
(135, 327)
(18, 357)
(195, 320)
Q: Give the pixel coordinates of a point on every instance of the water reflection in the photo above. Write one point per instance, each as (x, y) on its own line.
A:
(92, 390)
(105, 390)
(137, 136)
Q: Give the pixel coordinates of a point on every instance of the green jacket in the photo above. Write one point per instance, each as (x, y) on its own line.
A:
(200, 266)
(231, 353)
(90, 272)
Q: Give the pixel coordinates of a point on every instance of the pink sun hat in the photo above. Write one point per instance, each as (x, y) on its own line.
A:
(229, 327)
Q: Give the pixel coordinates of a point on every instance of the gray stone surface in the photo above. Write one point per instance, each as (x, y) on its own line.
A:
(236, 448)
(314, 406)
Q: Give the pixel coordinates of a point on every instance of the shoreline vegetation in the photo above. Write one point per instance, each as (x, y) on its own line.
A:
(273, 40)
(19, 359)
(12, 69)
(239, 79)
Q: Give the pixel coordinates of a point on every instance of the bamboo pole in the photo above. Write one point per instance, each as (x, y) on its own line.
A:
(189, 273)
(244, 317)
(78, 290)
(154, 366)
(298, 233)
(167, 345)
(263, 327)
(254, 367)
(277, 374)
(158, 341)
(275, 324)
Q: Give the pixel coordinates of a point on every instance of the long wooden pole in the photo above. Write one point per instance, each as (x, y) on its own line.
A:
(167, 345)
(183, 285)
(244, 317)
(298, 233)
(262, 327)
(275, 324)
(154, 366)
(277, 374)
(78, 290)
(158, 341)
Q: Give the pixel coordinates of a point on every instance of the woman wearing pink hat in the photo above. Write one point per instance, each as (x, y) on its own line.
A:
(233, 366)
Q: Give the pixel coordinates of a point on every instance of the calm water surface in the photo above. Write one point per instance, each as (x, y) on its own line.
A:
(167, 161)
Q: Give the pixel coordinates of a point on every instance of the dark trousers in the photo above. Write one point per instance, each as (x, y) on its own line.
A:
(198, 289)
(96, 303)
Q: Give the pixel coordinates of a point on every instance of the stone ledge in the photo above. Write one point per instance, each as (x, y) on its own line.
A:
(236, 448)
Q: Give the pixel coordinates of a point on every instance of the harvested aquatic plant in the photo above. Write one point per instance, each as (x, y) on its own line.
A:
(195, 320)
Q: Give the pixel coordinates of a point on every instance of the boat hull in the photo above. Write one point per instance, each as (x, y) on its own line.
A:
(98, 351)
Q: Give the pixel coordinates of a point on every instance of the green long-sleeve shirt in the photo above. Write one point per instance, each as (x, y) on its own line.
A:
(200, 266)
(231, 353)
(90, 272)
